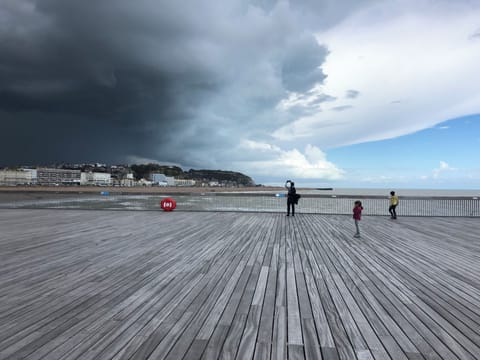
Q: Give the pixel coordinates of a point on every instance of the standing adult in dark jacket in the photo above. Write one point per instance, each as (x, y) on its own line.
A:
(291, 196)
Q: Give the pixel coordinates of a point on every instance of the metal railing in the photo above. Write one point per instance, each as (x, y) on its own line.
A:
(243, 202)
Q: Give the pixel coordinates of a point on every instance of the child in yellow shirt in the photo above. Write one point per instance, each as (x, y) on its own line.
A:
(393, 204)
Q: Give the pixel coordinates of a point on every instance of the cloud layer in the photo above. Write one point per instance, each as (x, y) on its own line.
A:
(263, 87)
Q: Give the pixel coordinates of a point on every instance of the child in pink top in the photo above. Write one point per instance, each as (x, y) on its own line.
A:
(357, 215)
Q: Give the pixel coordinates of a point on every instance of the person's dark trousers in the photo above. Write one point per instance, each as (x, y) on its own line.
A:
(290, 203)
(392, 211)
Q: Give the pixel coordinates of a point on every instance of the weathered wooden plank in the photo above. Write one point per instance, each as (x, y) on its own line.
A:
(126, 320)
(134, 285)
(200, 308)
(232, 341)
(279, 339)
(265, 330)
(182, 346)
(217, 339)
(371, 326)
(246, 347)
(416, 330)
(279, 345)
(380, 320)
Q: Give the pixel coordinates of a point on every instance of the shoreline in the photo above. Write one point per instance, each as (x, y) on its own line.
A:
(136, 190)
(354, 192)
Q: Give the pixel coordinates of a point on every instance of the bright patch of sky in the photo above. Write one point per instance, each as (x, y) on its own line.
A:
(440, 157)
(393, 70)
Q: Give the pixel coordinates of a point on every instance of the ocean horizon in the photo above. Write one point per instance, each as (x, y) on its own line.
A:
(386, 192)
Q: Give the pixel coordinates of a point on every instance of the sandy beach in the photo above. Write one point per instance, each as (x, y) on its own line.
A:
(136, 190)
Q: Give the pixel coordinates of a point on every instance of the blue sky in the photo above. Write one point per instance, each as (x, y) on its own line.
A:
(442, 157)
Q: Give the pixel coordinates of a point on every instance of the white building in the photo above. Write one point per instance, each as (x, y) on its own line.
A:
(184, 182)
(163, 180)
(18, 177)
(95, 179)
(127, 182)
(143, 182)
(48, 176)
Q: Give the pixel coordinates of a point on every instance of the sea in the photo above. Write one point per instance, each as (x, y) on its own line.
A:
(399, 192)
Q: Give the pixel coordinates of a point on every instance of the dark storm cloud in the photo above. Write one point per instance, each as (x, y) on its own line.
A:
(167, 80)
(301, 66)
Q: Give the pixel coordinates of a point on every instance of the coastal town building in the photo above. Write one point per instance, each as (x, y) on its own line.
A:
(144, 182)
(18, 177)
(96, 179)
(50, 176)
(127, 182)
(162, 180)
(97, 174)
(184, 182)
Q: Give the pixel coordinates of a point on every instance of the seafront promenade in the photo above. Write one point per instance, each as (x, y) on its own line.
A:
(86, 284)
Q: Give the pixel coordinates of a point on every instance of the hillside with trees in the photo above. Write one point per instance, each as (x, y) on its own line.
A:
(202, 176)
(223, 177)
(143, 171)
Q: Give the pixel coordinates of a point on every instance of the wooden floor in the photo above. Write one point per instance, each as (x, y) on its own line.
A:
(183, 285)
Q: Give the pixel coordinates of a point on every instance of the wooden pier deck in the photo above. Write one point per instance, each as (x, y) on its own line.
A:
(184, 285)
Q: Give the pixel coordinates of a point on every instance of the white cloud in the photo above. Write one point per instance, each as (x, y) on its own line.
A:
(443, 168)
(413, 68)
(311, 164)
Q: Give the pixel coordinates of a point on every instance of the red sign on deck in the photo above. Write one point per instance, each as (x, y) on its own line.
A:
(168, 204)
